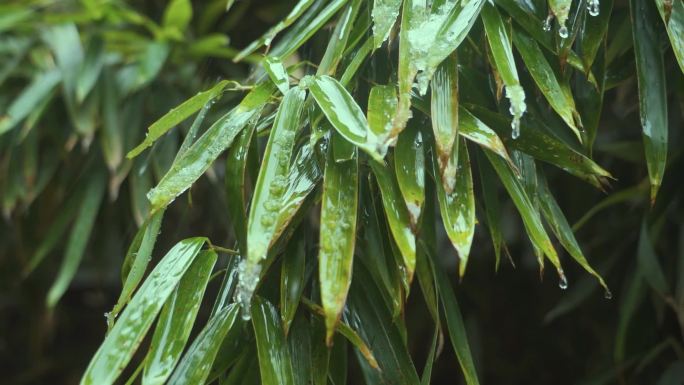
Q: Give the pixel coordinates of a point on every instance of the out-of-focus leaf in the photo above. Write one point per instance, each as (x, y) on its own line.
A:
(673, 17)
(499, 39)
(370, 319)
(65, 43)
(491, 206)
(385, 14)
(674, 374)
(91, 68)
(140, 254)
(270, 187)
(277, 72)
(528, 212)
(177, 15)
(630, 301)
(29, 99)
(346, 116)
(547, 81)
(338, 42)
(123, 340)
(397, 215)
(177, 115)
(197, 159)
(176, 320)
(196, 363)
(409, 164)
(560, 226)
(652, 89)
(458, 207)
(78, 239)
(292, 278)
(297, 11)
(648, 263)
(338, 236)
(444, 113)
(275, 363)
(112, 134)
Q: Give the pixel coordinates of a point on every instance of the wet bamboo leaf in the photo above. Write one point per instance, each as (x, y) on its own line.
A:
(269, 190)
(235, 184)
(196, 363)
(337, 236)
(547, 81)
(297, 11)
(292, 278)
(397, 215)
(560, 9)
(491, 206)
(409, 164)
(177, 115)
(176, 320)
(652, 90)
(593, 33)
(78, 239)
(29, 99)
(648, 264)
(123, 340)
(299, 343)
(560, 226)
(275, 363)
(382, 103)
(444, 113)
(385, 13)
(346, 116)
(528, 212)
(673, 17)
(458, 207)
(199, 157)
(277, 72)
(338, 42)
(500, 44)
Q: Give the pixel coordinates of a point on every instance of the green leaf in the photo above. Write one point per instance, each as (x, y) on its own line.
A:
(397, 214)
(409, 164)
(458, 207)
(673, 17)
(277, 72)
(275, 363)
(177, 15)
(382, 102)
(500, 44)
(292, 278)
(29, 99)
(444, 113)
(236, 184)
(338, 43)
(593, 33)
(176, 320)
(648, 264)
(346, 116)
(297, 11)
(177, 115)
(652, 90)
(385, 13)
(123, 340)
(78, 239)
(270, 188)
(337, 236)
(196, 363)
(91, 68)
(491, 206)
(199, 157)
(547, 81)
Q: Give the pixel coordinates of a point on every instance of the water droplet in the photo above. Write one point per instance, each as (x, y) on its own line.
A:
(593, 7)
(547, 23)
(607, 294)
(515, 125)
(562, 282)
(563, 32)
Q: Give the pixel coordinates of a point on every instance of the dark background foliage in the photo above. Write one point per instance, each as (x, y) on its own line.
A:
(523, 329)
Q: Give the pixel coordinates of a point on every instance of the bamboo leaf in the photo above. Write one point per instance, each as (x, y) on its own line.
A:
(337, 236)
(673, 17)
(444, 113)
(275, 363)
(409, 164)
(176, 320)
(199, 157)
(292, 278)
(177, 115)
(29, 99)
(385, 13)
(123, 340)
(652, 90)
(277, 72)
(236, 184)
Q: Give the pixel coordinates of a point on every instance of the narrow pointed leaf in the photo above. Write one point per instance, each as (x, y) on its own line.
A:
(123, 340)
(338, 41)
(491, 206)
(292, 276)
(199, 157)
(236, 184)
(674, 24)
(275, 363)
(177, 115)
(270, 187)
(277, 72)
(196, 363)
(176, 320)
(409, 164)
(29, 99)
(385, 14)
(337, 237)
(652, 89)
(444, 113)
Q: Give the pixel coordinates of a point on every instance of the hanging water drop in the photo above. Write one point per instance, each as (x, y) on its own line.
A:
(593, 7)
(562, 282)
(515, 125)
(607, 294)
(547, 23)
(563, 32)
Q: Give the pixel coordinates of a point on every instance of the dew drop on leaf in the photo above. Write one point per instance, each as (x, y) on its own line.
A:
(563, 32)
(562, 282)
